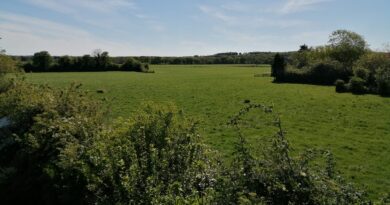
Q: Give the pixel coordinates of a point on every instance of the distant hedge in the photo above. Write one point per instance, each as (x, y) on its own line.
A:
(100, 61)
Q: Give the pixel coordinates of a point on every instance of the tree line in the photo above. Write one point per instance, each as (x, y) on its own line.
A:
(346, 61)
(98, 61)
(101, 61)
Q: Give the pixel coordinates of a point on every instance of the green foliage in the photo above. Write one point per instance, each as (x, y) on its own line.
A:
(341, 87)
(347, 47)
(42, 61)
(346, 57)
(301, 58)
(156, 157)
(278, 67)
(321, 72)
(325, 72)
(99, 61)
(383, 80)
(361, 73)
(45, 125)
(102, 60)
(134, 65)
(7, 66)
(357, 85)
(64, 62)
(278, 178)
(58, 151)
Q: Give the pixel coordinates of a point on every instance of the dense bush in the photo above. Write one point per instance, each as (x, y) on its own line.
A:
(156, 157)
(357, 85)
(325, 72)
(278, 67)
(45, 126)
(7, 66)
(341, 87)
(322, 72)
(133, 65)
(361, 73)
(383, 80)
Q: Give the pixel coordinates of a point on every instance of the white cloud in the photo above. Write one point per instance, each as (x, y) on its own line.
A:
(217, 14)
(292, 6)
(251, 20)
(24, 35)
(74, 6)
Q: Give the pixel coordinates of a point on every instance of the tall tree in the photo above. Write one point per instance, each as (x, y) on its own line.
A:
(347, 47)
(278, 67)
(102, 59)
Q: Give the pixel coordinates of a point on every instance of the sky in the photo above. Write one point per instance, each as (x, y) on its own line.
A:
(184, 27)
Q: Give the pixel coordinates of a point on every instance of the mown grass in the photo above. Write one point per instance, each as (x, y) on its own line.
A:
(355, 128)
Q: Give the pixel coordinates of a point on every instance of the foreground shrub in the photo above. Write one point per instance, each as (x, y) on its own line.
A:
(7, 66)
(357, 85)
(45, 124)
(156, 157)
(276, 177)
(341, 87)
(59, 150)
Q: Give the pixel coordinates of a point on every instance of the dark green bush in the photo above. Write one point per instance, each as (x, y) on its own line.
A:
(156, 157)
(325, 72)
(357, 85)
(341, 87)
(134, 65)
(361, 73)
(278, 67)
(46, 124)
(383, 80)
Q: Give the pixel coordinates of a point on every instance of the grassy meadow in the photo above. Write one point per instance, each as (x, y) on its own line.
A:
(356, 128)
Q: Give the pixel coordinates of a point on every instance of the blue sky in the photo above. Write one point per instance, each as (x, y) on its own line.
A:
(184, 27)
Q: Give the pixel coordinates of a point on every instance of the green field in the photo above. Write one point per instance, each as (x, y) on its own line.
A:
(355, 128)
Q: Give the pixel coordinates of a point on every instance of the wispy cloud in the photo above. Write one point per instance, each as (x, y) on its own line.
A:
(292, 6)
(251, 20)
(216, 13)
(59, 39)
(74, 6)
(99, 13)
